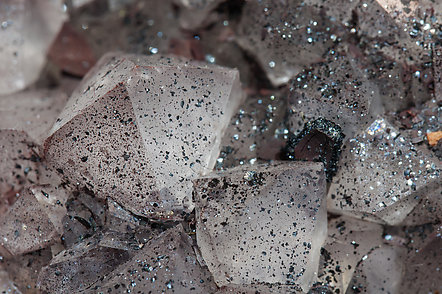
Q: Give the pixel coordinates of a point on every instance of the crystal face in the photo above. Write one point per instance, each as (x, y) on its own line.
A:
(220, 146)
(165, 264)
(27, 30)
(382, 175)
(150, 166)
(277, 212)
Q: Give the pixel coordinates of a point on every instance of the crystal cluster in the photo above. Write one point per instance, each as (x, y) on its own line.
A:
(220, 146)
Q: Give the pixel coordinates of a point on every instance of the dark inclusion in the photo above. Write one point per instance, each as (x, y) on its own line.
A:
(320, 140)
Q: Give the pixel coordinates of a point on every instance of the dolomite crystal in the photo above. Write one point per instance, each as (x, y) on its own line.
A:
(166, 264)
(262, 224)
(382, 176)
(27, 30)
(283, 36)
(34, 221)
(140, 128)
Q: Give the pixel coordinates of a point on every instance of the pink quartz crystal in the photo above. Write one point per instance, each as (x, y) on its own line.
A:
(140, 128)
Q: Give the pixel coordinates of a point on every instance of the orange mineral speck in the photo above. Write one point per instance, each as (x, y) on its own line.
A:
(434, 137)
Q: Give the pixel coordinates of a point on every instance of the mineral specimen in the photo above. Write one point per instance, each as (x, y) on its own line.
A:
(336, 90)
(166, 264)
(26, 119)
(349, 240)
(27, 30)
(262, 224)
(382, 176)
(380, 271)
(81, 266)
(140, 128)
(284, 37)
(320, 140)
(34, 221)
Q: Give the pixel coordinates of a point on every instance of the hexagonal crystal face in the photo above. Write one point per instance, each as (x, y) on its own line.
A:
(262, 224)
(140, 128)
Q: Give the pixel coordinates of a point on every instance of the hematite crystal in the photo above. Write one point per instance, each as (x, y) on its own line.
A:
(320, 140)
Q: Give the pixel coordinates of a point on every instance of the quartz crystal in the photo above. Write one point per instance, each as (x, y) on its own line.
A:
(336, 90)
(254, 132)
(380, 271)
(193, 13)
(422, 267)
(26, 118)
(262, 224)
(79, 267)
(166, 264)
(27, 30)
(348, 241)
(34, 221)
(382, 176)
(23, 270)
(220, 146)
(283, 37)
(139, 129)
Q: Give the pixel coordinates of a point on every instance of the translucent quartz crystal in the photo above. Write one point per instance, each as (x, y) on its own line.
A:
(85, 216)
(26, 117)
(422, 268)
(27, 30)
(23, 269)
(165, 264)
(284, 37)
(348, 241)
(6, 284)
(251, 134)
(336, 90)
(382, 176)
(428, 210)
(34, 221)
(79, 267)
(262, 224)
(400, 24)
(193, 13)
(380, 271)
(141, 27)
(139, 128)
(33, 112)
